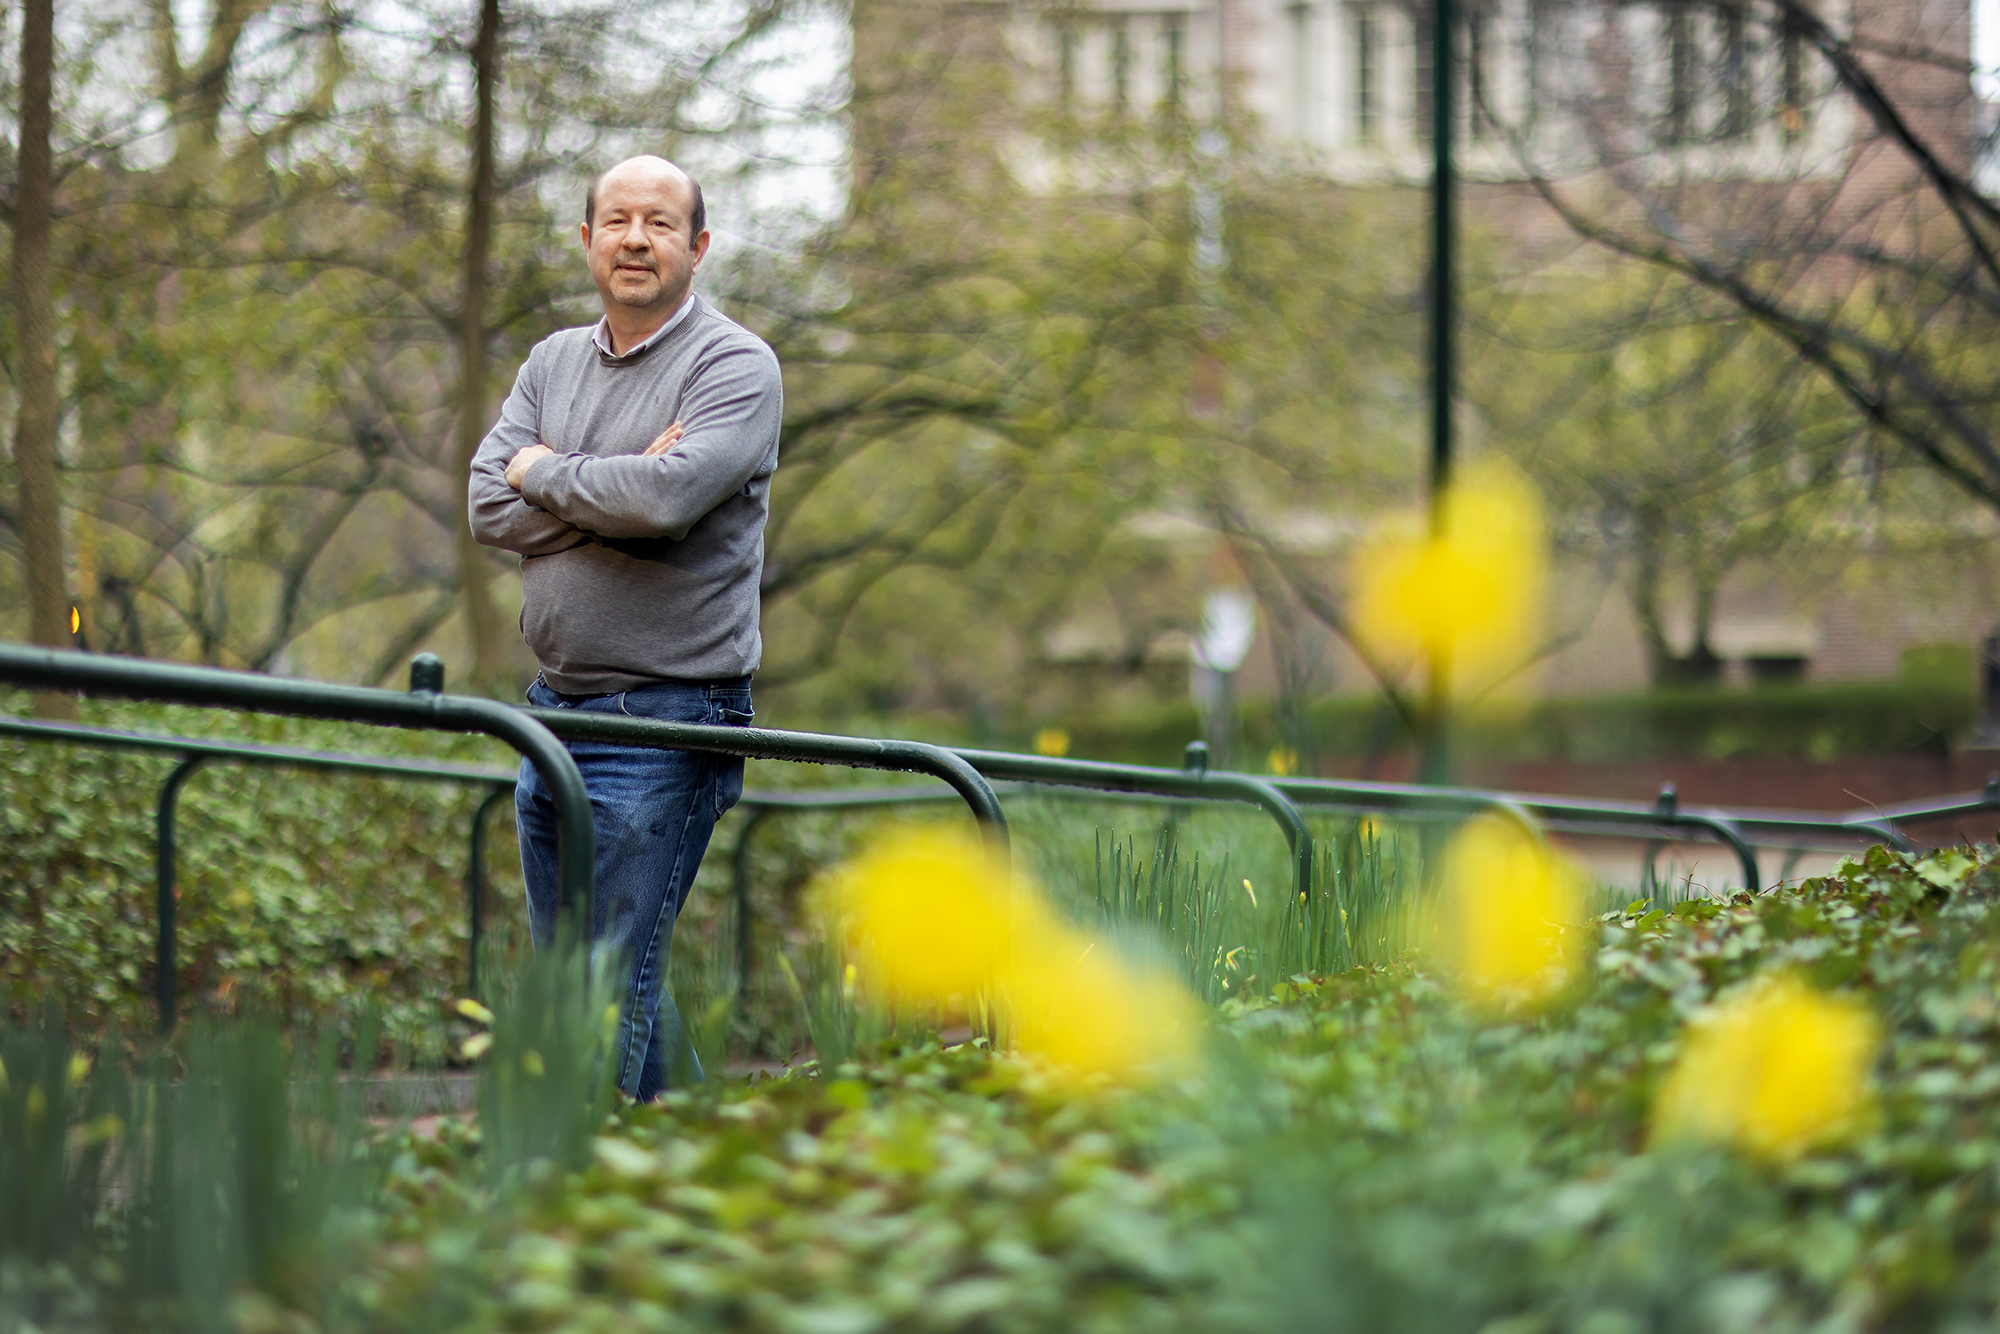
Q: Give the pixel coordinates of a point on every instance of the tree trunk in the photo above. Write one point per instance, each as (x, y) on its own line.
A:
(34, 312)
(475, 572)
(201, 94)
(1700, 666)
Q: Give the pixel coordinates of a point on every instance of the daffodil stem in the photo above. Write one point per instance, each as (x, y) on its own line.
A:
(1435, 765)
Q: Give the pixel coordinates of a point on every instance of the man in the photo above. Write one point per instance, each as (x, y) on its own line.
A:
(641, 553)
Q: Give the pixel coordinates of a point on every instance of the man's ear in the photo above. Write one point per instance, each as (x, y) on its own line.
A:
(584, 228)
(700, 249)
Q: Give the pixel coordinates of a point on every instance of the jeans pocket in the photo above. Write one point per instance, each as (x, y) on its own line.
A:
(728, 781)
(733, 711)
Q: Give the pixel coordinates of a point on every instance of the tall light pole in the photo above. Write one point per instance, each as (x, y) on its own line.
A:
(1436, 764)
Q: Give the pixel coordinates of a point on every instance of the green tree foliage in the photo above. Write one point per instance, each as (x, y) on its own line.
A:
(258, 270)
(1824, 192)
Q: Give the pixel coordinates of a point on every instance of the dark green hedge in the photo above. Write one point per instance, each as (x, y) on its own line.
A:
(1803, 721)
(355, 885)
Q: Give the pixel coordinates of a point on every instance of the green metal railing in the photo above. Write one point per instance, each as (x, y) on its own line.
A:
(764, 743)
(1736, 828)
(537, 733)
(759, 806)
(1194, 780)
(424, 707)
(1608, 816)
(427, 707)
(195, 753)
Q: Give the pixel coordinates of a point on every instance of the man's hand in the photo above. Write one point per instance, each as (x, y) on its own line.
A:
(664, 441)
(517, 467)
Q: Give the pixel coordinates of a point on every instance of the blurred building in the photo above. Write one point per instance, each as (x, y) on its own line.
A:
(1723, 102)
(1715, 90)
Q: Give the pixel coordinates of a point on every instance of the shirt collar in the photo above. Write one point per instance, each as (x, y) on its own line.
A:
(601, 335)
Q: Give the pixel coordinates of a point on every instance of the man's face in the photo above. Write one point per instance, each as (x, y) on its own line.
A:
(641, 255)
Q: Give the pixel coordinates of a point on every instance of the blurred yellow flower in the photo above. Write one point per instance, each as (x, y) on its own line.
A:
(1052, 741)
(467, 1008)
(934, 917)
(1776, 1070)
(1087, 1011)
(928, 916)
(1500, 919)
(1284, 761)
(1471, 594)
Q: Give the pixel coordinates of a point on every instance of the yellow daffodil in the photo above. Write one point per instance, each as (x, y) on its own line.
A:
(1470, 594)
(1052, 741)
(1776, 1070)
(929, 916)
(471, 1009)
(1506, 915)
(1087, 1011)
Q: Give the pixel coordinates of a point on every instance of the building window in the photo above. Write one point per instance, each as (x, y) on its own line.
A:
(1367, 83)
(1422, 98)
(1479, 115)
(1735, 74)
(1301, 36)
(1682, 71)
(1531, 61)
(1066, 69)
(1792, 77)
(1121, 68)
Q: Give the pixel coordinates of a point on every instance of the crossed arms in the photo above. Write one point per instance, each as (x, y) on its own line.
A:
(529, 498)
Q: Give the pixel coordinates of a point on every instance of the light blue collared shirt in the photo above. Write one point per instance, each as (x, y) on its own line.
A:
(601, 335)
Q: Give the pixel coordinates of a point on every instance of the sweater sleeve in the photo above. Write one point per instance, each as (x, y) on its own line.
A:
(501, 516)
(731, 411)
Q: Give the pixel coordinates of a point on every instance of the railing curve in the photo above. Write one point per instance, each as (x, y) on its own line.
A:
(424, 709)
(1201, 783)
(765, 743)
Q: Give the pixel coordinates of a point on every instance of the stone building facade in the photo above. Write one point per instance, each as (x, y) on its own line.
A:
(1726, 103)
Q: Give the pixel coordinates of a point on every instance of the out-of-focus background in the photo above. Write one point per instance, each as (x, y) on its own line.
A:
(1107, 333)
(1104, 330)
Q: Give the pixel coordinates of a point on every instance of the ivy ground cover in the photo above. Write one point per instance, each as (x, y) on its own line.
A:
(1353, 1151)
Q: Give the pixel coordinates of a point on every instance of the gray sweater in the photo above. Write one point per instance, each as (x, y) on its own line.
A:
(638, 570)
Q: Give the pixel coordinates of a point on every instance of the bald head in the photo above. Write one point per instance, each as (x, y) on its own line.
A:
(647, 169)
(644, 235)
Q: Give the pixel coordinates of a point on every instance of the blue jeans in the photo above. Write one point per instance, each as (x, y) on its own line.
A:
(653, 812)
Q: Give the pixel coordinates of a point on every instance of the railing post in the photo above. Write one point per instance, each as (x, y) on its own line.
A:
(1203, 784)
(761, 743)
(134, 678)
(475, 884)
(165, 878)
(739, 862)
(1727, 832)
